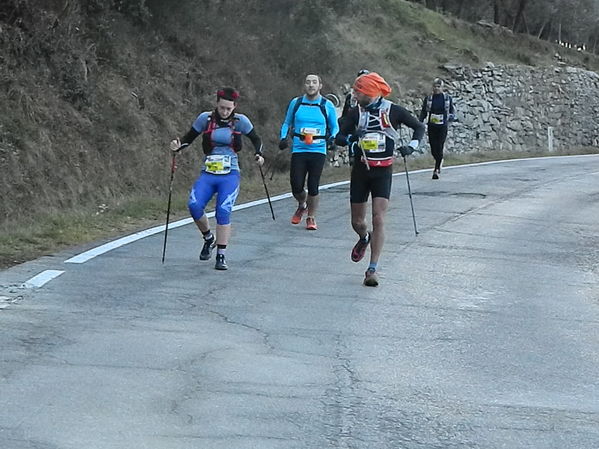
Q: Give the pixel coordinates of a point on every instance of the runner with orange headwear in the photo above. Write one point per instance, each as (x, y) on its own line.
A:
(371, 128)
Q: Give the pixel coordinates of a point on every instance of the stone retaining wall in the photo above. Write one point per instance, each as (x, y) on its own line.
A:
(516, 108)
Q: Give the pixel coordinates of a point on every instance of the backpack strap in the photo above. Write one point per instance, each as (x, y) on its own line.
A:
(323, 109)
(429, 105)
(208, 143)
(380, 120)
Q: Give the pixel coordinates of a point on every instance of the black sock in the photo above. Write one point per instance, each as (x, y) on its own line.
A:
(207, 235)
(220, 249)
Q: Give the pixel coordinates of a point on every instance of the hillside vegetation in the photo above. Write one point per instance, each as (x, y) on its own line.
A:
(93, 91)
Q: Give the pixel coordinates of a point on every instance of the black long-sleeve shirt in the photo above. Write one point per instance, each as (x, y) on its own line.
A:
(398, 116)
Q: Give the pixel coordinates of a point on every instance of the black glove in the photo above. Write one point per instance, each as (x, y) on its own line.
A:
(406, 150)
(355, 137)
(283, 144)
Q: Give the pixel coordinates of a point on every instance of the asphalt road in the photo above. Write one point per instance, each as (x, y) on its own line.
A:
(484, 332)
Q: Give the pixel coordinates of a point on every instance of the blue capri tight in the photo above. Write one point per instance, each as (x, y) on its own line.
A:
(226, 188)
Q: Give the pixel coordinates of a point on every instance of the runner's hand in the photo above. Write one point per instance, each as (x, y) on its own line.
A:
(355, 137)
(405, 150)
(259, 160)
(283, 144)
(175, 145)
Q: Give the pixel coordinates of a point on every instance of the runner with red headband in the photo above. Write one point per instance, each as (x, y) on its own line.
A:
(221, 131)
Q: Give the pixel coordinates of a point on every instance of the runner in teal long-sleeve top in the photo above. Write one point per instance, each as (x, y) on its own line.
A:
(311, 122)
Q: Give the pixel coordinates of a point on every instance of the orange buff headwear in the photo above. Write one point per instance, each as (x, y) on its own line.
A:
(373, 85)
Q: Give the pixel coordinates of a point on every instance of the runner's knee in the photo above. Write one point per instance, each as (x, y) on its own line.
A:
(378, 220)
(223, 216)
(313, 190)
(195, 209)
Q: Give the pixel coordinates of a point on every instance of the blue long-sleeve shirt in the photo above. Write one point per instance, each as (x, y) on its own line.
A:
(309, 117)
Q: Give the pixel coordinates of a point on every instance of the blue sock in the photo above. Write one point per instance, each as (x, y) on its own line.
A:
(372, 266)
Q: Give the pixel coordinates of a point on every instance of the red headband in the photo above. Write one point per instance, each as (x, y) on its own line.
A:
(221, 94)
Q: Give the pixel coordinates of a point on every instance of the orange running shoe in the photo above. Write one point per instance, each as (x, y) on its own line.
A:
(297, 216)
(311, 224)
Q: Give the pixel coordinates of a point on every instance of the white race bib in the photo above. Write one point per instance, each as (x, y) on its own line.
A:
(313, 131)
(218, 164)
(437, 119)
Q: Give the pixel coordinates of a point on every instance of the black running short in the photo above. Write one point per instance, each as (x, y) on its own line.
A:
(376, 182)
(303, 164)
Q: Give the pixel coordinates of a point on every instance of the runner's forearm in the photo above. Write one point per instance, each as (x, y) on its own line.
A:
(348, 127)
(399, 115)
(256, 141)
(190, 136)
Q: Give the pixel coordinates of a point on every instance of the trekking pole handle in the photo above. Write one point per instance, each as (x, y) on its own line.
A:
(183, 145)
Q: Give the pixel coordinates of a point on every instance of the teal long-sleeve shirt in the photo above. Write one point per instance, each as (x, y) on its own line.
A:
(309, 117)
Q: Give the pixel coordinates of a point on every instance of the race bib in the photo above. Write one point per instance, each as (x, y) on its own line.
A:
(218, 164)
(313, 131)
(437, 119)
(373, 142)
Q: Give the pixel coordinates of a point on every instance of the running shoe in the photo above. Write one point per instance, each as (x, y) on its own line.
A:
(436, 174)
(297, 217)
(221, 263)
(359, 249)
(370, 278)
(311, 224)
(207, 249)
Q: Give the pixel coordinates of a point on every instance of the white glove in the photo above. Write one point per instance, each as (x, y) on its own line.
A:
(175, 144)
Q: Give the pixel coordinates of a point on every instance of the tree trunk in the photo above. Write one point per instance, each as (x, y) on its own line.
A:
(496, 11)
(526, 30)
(559, 32)
(519, 12)
(540, 33)
(460, 8)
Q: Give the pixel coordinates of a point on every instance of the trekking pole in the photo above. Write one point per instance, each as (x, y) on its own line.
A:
(410, 195)
(266, 190)
(170, 193)
(365, 157)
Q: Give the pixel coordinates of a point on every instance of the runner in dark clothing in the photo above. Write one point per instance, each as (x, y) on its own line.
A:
(438, 110)
(372, 129)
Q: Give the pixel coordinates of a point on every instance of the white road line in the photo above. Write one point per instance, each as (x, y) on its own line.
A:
(90, 254)
(42, 278)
